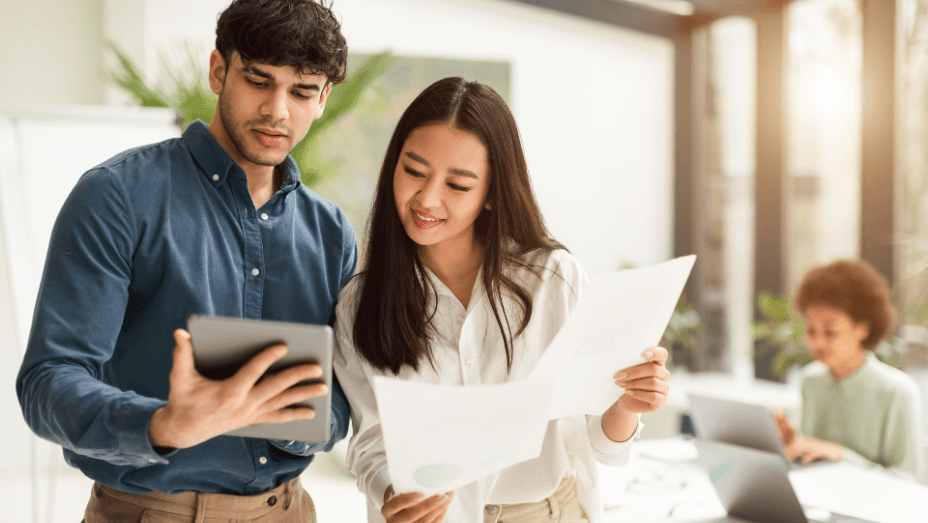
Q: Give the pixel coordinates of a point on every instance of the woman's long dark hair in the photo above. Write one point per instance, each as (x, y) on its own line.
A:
(394, 321)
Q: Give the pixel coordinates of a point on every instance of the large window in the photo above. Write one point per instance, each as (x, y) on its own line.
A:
(912, 193)
(733, 80)
(821, 211)
(824, 60)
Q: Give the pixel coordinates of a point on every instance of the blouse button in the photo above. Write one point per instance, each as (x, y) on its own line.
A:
(469, 360)
(492, 509)
(460, 318)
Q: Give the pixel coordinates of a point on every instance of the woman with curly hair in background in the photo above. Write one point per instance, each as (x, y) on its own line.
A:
(854, 407)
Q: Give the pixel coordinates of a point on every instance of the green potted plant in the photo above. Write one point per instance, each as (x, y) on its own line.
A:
(681, 337)
(185, 91)
(912, 296)
(778, 335)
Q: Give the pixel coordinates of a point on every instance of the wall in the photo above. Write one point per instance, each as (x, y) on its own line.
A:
(50, 52)
(594, 105)
(593, 102)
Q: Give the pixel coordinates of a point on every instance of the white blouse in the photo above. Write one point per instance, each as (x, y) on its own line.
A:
(469, 350)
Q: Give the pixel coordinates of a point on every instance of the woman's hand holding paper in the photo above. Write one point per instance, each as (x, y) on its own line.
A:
(646, 385)
(646, 388)
(412, 508)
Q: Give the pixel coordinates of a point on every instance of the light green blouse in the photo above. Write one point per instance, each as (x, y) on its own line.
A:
(875, 413)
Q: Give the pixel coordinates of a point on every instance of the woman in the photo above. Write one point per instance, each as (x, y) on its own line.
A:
(462, 285)
(854, 407)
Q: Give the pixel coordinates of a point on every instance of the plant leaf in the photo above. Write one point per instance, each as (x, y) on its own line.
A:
(129, 79)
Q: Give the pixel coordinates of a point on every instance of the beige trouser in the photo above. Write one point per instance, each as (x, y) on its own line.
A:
(288, 503)
(560, 507)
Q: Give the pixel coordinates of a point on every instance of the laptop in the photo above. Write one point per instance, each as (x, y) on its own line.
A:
(736, 423)
(754, 485)
(745, 424)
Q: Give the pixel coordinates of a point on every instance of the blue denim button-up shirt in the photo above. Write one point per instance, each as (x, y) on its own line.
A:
(144, 240)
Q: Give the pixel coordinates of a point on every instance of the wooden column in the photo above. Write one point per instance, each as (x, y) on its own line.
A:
(689, 194)
(878, 140)
(770, 245)
(684, 236)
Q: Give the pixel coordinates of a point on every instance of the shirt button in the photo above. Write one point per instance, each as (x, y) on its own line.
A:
(271, 501)
(461, 318)
(255, 272)
(264, 216)
(215, 177)
(469, 360)
(492, 510)
(262, 460)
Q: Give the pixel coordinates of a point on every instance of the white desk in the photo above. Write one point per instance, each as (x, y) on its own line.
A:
(662, 483)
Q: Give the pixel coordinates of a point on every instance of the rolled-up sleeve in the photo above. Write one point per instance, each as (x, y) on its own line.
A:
(605, 450)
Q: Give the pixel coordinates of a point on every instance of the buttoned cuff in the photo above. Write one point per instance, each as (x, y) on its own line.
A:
(601, 442)
(297, 448)
(140, 441)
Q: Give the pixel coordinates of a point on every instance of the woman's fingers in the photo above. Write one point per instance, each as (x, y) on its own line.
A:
(785, 427)
(646, 385)
(399, 502)
(656, 355)
(653, 399)
(644, 370)
(793, 450)
(651, 384)
(409, 508)
(438, 515)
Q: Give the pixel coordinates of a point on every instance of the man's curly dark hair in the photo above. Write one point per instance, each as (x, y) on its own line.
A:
(300, 33)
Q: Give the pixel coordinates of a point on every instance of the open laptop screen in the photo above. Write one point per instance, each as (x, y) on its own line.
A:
(736, 423)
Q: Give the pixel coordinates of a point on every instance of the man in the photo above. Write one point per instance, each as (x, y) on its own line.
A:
(216, 223)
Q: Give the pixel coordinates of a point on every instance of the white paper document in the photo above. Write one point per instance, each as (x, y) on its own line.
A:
(618, 316)
(442, 437)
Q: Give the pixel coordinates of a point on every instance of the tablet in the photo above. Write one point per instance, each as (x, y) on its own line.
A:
(223, 345)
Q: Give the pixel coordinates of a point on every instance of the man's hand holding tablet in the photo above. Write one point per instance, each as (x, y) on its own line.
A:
(248, 378)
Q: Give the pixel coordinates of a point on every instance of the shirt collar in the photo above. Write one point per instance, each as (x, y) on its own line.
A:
(218, 166)
(477, 294)
(860, 374)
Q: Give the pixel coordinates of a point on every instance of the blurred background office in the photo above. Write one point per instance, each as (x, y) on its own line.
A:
(765, 136)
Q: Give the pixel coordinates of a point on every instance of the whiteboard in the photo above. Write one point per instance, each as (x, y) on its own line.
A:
(43, 152)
